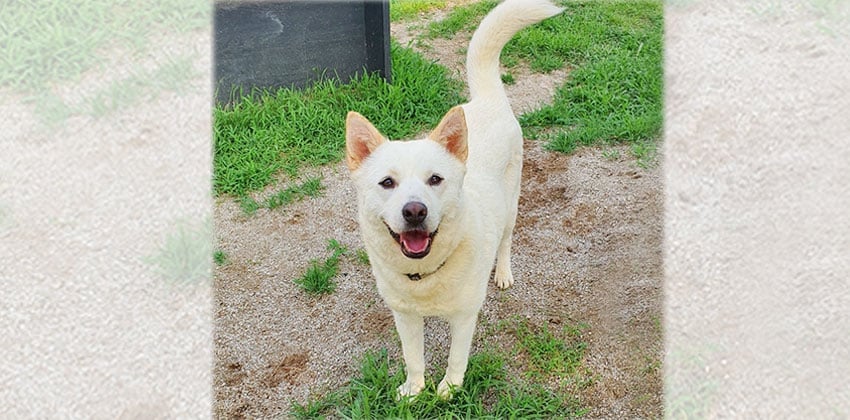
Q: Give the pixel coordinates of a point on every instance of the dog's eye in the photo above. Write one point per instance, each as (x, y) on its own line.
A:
(434, 180)
(387, 183)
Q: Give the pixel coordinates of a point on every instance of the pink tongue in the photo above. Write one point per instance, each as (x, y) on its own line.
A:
(415, 241)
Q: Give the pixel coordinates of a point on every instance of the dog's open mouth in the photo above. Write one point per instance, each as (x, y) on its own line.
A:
(415, 243)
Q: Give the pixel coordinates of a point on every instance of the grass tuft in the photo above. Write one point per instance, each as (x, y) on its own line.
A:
(312, 187)
(318, 279)
(407, 9)
(550, 355)
(462, 18)
(248, 204)
(219, 257)
(362, 256)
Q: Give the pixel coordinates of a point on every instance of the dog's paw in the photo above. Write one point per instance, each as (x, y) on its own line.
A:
(445, 389)
(503, 278)
(409, 390)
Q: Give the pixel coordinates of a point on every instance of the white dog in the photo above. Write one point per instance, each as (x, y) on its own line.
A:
(435, 213)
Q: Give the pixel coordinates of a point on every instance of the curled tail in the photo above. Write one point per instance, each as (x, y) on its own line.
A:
(497, 28)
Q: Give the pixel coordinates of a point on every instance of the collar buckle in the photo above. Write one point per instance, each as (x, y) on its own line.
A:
(418, 276)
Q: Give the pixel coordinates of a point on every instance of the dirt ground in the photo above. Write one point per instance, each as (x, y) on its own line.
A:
(587, 249)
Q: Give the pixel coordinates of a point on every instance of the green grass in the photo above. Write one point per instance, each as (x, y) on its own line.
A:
(614, 92)
(362, 257)
(490, 390)
(312, 187)
(288, 129)
(611, 154)
(548, 353)
(462, 18)
(248, 204)
(219, 257)
(645, 151)
(318, 279)
(406, 9)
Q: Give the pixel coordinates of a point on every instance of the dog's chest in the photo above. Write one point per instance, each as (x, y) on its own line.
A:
(430, 296)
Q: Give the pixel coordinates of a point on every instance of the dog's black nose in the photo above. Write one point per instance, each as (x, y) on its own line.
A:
(414, 212)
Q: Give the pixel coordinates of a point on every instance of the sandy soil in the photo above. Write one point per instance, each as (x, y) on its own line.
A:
(587, 249)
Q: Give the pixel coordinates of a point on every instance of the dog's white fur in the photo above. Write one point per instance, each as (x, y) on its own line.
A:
(476, 154)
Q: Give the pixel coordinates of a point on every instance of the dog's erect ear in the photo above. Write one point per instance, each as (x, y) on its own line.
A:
(361, 139)
(451, 133)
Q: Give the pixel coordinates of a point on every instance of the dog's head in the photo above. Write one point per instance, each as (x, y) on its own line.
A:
(410, 187)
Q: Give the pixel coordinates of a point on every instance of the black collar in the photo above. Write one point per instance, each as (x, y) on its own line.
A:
(418, 276)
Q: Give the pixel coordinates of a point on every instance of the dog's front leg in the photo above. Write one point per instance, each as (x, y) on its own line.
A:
(462, 328)
(410, 330)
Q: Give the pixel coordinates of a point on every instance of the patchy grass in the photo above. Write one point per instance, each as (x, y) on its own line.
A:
(614, 92)
(171, 76)
(50, 44)
(611, 154)
(318, 280)
(407, 9)
(220, 257)
(362, 257)
(552, 355)
(248, 204)
(288, 129)
(312, 187)
(489, 389)
(462, 18)
(646, 152)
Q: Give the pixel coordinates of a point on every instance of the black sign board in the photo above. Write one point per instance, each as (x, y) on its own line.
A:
(271, 44)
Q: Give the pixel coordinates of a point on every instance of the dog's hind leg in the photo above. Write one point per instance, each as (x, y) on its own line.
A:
(503, 277)
(411, 331)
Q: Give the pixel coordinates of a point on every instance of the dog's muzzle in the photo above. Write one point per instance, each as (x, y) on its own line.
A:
(415, 240)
